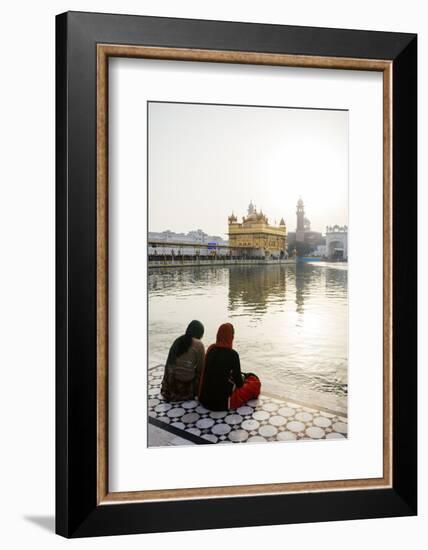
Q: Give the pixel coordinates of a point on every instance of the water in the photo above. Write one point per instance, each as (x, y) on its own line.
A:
(290, 320)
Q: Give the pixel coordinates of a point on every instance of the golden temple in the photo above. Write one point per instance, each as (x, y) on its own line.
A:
(257, 236)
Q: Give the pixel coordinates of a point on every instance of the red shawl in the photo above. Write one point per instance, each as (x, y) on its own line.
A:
(225, 335)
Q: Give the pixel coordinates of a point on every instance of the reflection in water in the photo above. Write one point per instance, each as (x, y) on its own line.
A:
(290, 320)
(256, 288)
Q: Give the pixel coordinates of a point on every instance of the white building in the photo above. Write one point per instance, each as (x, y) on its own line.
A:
(191, 243)
(336, 242)
(197, 236)
(320, 250)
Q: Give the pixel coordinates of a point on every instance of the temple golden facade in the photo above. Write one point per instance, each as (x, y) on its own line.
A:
(255, 237)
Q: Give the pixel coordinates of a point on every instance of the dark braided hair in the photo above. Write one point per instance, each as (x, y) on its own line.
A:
(195, 329)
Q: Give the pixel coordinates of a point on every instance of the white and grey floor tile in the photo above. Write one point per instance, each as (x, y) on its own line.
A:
(265, 419)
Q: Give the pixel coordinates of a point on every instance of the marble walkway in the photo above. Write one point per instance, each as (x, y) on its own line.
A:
(268, 418)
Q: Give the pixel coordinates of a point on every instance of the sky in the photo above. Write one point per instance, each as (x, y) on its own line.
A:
(206, 161)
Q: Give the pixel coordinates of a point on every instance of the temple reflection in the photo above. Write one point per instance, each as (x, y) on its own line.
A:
(255, 287)
(310, 280)
(291, 320)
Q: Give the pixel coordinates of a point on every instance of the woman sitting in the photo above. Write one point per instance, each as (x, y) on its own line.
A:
(223, 386)
(184, 365)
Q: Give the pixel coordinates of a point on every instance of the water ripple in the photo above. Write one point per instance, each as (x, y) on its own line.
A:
(290, 320)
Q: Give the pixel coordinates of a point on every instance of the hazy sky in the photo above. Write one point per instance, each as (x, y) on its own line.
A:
(207, 160)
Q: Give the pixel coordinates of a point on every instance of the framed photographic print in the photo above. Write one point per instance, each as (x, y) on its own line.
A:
(236, 274)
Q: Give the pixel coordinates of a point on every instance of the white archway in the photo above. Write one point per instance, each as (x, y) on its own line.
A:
(336, 244)
(335, 249)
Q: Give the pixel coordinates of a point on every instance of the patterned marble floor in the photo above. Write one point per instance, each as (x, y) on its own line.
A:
(265, 419)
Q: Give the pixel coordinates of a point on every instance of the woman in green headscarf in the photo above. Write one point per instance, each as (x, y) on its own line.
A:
(184, 365)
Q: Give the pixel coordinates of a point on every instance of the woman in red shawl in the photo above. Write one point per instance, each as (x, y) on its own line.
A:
(223, 386)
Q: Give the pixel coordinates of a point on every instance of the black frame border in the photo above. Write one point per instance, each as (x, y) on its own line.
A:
(77, 512)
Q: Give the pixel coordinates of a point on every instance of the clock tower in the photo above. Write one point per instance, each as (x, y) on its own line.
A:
(300, 227)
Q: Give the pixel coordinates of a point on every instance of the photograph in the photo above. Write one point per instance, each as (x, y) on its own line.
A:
(247, 274)
(235, 297)
(212, 279)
